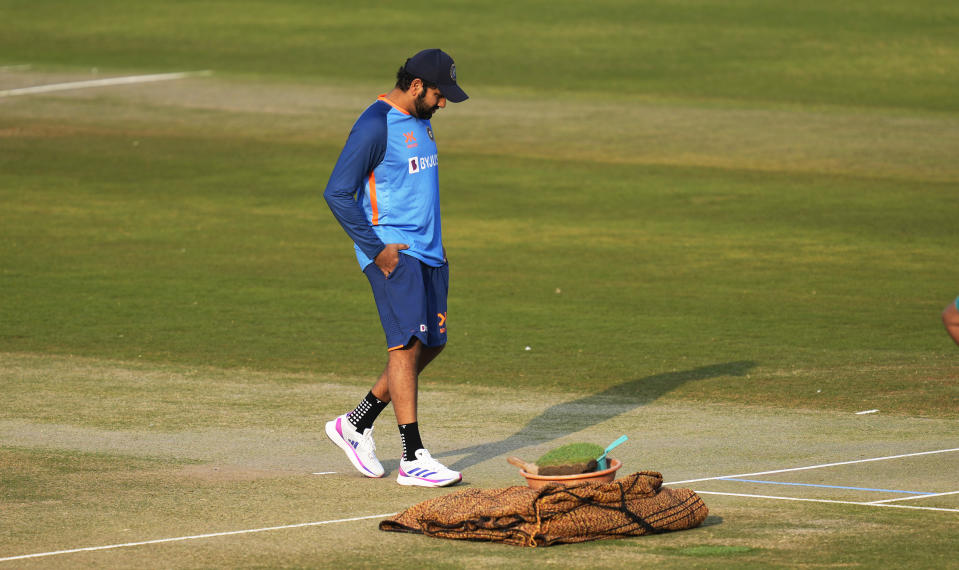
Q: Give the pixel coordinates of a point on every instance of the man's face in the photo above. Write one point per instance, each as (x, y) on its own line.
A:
(429, 101)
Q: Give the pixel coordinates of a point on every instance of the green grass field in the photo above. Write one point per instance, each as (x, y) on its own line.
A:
(714, 214)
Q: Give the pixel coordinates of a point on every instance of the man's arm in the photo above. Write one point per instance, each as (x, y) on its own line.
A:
(364, 149)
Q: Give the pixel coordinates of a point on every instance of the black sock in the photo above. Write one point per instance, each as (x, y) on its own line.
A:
(410, 436)
(365, 413)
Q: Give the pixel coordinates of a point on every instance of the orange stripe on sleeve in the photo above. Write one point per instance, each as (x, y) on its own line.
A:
(373, 206)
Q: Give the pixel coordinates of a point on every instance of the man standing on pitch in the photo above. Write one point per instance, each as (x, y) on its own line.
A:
(384, 191)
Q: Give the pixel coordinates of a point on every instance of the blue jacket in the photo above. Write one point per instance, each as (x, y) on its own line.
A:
(385, 185)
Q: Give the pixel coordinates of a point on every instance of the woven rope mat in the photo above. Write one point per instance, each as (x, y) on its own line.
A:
(631, 506)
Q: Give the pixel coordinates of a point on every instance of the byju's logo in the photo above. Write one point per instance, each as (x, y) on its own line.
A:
(418, 163)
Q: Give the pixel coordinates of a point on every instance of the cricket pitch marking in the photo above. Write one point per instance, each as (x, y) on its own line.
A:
(880, 503)
(883, 503)
(193, 537)
(106, 82)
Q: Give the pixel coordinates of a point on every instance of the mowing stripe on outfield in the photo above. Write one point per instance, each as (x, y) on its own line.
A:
(106, 82)
(873, 504)
(193, 537)
(815, 466)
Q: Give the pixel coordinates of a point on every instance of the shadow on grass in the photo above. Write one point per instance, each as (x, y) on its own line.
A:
(712, 520)
(576, 415)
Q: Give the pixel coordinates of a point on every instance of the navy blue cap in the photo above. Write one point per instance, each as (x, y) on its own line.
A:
(436, 66)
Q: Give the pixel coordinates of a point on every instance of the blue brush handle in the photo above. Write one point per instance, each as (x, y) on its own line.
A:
(601, 461)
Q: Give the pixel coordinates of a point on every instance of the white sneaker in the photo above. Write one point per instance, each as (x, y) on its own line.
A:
(424, 471)
(359, 448)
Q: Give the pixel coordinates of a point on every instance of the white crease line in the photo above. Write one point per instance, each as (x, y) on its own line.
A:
(913, 498)
(194, 537)
(127, 80)
(778, 498)
(814, 466)
(827, 501)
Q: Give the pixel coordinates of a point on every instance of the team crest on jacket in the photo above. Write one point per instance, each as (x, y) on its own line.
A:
(429, 131)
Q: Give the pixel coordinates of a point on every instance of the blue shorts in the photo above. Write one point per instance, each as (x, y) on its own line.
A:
(411, 301)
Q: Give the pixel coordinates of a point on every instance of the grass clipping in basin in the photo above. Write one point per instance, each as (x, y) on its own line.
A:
(571, 459)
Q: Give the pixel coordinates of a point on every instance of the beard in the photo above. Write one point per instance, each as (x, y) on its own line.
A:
(424, 111)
